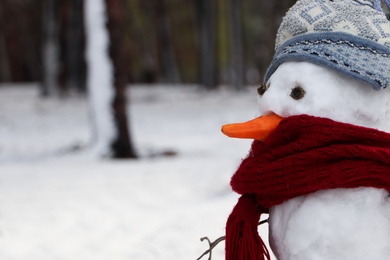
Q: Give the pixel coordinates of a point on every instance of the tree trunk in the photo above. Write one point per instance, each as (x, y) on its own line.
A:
(222, 42)
(169, 68)
(122, 146)
(5, 75)
(206, 17)
(106, 80)
(236, 49)
(4, 68)
(142, 45)
(50, 52)
(27, 42)
(75, 62)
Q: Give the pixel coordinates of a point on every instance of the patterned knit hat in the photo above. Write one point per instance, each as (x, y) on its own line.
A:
(350, 36)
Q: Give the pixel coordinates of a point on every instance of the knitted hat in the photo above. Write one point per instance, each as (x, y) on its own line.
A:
(350, 36)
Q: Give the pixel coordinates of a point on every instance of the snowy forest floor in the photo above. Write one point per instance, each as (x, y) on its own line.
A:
(59, 202)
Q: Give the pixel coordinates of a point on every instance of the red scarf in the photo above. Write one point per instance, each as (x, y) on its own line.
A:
(303, 155)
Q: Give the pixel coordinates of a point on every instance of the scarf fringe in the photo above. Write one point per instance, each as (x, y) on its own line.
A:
(242, 239)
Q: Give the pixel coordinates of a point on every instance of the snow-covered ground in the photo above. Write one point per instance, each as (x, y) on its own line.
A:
(59, 202)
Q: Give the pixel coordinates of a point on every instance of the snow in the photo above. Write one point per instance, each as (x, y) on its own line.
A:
(100, 75)
(58, 201)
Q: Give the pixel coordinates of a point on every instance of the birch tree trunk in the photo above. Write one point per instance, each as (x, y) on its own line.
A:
(105, 79)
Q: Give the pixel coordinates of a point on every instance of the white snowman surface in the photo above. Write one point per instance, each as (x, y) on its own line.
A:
(339, 224)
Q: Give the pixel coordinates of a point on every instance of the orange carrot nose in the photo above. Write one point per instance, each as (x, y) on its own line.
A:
(259, 128)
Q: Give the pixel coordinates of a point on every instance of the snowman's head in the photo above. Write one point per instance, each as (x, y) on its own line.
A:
(332, 60)
(304, 88)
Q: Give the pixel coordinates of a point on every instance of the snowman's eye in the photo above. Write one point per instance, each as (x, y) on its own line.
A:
(263, 88)
(297, 93)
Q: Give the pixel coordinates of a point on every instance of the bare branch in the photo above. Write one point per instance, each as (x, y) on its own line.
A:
(216, 242)
(211, 245)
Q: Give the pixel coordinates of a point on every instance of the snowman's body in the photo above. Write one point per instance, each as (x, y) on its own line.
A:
(337, 224)
(340, 224)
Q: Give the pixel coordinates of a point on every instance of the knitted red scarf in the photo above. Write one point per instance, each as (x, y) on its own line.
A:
(303, 155)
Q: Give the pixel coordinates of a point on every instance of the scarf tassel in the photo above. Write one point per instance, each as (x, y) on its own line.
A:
(242, 239)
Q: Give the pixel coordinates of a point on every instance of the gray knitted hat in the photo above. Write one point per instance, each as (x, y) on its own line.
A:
(350, 36)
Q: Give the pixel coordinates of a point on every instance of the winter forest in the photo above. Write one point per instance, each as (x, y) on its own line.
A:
(110, 117)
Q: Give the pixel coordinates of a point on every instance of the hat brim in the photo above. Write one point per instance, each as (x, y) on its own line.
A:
(355, 57)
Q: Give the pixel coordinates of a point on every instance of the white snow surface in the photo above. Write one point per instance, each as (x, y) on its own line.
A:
(58, 201)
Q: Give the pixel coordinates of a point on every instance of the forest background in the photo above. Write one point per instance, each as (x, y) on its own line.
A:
(206, 42)
(209, 43)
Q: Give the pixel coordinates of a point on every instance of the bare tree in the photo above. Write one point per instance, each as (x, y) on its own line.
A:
(4, 66)
(169, 68)
(236, 48)
(140, 20)
(75, 63)
(122, 145)
(50, 51)
(31, 58)
(106, 78)
(206, 21)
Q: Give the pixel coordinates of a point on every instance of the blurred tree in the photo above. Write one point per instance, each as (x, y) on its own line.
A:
(15, 58)
(107, 79)
(50, 48)
(170, 71)
(63, 39)
(182, 16)
(4, 66)
(206, 16)
(142, 47)
(75, 63)
(236, 49)
(30, 57)
(162, 40)
(122, 145)
(222, 41)
(261, 22)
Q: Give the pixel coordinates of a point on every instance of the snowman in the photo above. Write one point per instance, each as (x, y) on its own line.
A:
(320, 161)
